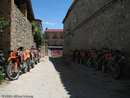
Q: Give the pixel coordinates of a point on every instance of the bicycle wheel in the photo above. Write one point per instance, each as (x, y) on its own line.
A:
(116, 71)
(104, 67)
(11, 73)
(89, 62)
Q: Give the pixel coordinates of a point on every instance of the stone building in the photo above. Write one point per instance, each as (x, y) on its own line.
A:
(19, 33)
(39, 24)
(54, 39)
(96, 24)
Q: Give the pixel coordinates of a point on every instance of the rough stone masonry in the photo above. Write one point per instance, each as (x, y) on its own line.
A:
(21, 30)
(97, 24)
(19, 33)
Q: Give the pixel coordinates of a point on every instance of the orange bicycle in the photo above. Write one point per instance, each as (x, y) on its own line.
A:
(32, 58)
(27, 59)
(38, 55)
(16, 63)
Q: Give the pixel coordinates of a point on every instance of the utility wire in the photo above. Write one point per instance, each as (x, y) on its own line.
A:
(48, 7)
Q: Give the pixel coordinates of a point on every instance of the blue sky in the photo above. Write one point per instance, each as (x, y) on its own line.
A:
(51, 12)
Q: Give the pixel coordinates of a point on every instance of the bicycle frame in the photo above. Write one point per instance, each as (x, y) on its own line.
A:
(16, 61)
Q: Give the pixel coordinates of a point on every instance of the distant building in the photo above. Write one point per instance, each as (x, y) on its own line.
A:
(39, 24)
(54, 39)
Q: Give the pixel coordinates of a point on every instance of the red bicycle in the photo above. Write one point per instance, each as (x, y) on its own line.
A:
(112, 60)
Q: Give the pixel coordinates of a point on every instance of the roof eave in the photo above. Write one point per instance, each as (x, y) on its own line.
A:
(31, 9)
(53, 30)
(71, 7)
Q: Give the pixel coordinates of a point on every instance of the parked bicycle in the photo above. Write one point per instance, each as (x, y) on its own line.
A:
(82, 56)
(99, 59)
(32, 58)
(27, 58)
(112, 60)
(91, 58)
(38, 55)
(16, 63)
(77, 56)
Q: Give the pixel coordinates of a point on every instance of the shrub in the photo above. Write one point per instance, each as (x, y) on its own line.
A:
(1, 75)
(38, 37)
(3, 25)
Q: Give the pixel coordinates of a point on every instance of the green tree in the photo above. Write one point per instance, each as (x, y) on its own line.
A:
(38, 37)
(3, 25)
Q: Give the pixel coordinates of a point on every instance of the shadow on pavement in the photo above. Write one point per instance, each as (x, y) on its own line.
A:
(83, 82)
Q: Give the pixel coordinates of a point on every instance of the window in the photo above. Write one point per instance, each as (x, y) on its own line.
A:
(61, 36)
(47, 37)
(55, 36)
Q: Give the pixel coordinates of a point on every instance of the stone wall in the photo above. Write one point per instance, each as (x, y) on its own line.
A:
(110, 27)
(43, 51)
(97, 24)
(21, 30)
(5, 11)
